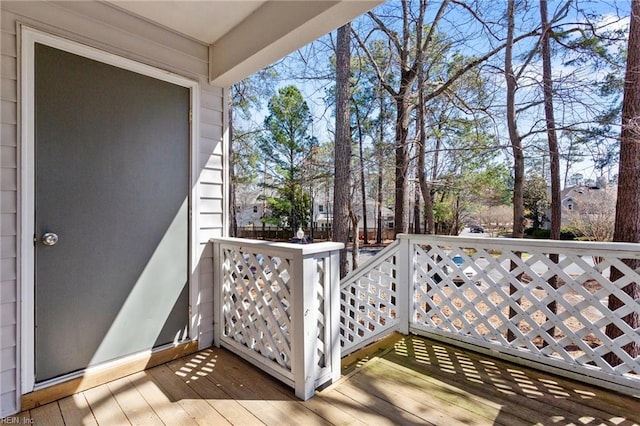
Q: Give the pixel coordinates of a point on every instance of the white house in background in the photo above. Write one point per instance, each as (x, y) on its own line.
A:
(114, 164)
(323, 216)
(250, 207)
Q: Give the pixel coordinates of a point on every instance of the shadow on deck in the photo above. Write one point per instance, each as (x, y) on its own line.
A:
(404, 380)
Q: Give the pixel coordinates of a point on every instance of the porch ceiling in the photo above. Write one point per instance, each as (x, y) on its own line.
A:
(244, 36)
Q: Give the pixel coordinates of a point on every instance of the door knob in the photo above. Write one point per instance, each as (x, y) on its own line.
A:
(49, 239)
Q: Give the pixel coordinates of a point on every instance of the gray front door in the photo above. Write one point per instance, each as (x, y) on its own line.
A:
(112, 182)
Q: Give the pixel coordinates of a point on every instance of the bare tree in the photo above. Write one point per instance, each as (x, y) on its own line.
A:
(552, 138)
(593, 214)
(342, 153)
(415, 42)
(495, 219)
(512, 126)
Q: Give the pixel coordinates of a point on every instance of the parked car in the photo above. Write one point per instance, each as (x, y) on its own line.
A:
(476, 229)
(459, 261)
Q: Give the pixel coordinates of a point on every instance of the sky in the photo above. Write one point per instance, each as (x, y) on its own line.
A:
(315, 89)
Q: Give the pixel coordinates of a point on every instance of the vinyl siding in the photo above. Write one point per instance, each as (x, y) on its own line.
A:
(110, 29)
(8, 219)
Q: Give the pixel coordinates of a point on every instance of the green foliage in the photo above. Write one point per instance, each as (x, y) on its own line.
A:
(290, 209)
(246, 96)
(536, 200)
(566, 233)
(286, 149)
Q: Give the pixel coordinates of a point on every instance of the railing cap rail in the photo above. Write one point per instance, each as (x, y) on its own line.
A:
(633, 249)
(304, 249)
(369, 264)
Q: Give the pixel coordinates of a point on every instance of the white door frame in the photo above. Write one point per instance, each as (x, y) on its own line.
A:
(26, 330)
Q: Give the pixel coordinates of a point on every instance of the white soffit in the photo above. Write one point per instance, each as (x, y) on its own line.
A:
(203, 20)
(246, 35)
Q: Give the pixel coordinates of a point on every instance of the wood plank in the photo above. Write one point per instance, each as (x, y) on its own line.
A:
(75, 410)
(380, 406)
(96, 378)
(245, 393)
(534, 382)
(332, 412)
(132, 403)
(188, 399)
(354, 408)
(439, 393)
(265, 384)
(248, 375)
(351, 361)
(252, 387)
(170, 412)
(399, 397)
(47, 415)
(23, 417)
(515, 386)
(215, 396)
(104, 406)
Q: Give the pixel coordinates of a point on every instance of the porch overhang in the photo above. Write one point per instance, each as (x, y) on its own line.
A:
(244, 36)
(276, 29)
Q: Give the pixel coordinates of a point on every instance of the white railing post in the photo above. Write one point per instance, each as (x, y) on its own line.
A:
(295, 291)
(404, 268)
(304, 327)
(333, 316)
(316, 306)
(217, 292)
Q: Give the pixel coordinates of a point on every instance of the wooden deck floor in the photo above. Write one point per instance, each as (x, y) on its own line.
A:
(414, 382)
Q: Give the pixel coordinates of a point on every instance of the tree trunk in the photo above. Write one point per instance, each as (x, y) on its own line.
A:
(355, 247)
(363, 186)
(422, 152)
(429, 192)
(380, 157)
(627, 227)
(342, 152)
(516, 146)
(401, 219)
(416, 210)
(233, 229)
(554, 155)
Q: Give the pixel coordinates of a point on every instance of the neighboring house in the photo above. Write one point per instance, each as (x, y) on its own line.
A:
(113, 156)
(323, 215)
(250, 207)
(372, 215)
(587, 200)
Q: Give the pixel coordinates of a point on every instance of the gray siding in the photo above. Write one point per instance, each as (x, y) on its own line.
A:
(8, 218)
(109, 29)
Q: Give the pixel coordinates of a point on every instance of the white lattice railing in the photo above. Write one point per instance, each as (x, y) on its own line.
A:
(368, 300)
(277, 305)
(495, 295)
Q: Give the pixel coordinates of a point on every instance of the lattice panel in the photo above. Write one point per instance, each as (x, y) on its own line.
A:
(368, 303)
(469, 292)
(256, 303)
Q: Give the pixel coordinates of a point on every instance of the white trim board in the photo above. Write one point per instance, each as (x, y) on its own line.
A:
(26, 194)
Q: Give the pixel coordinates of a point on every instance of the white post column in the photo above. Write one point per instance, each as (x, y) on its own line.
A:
(304, 327)
(217, 292)
(307, 372)
(333, 316)
(404, 267)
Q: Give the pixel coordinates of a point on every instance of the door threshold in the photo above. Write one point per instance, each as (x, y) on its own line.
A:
(63, 386)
